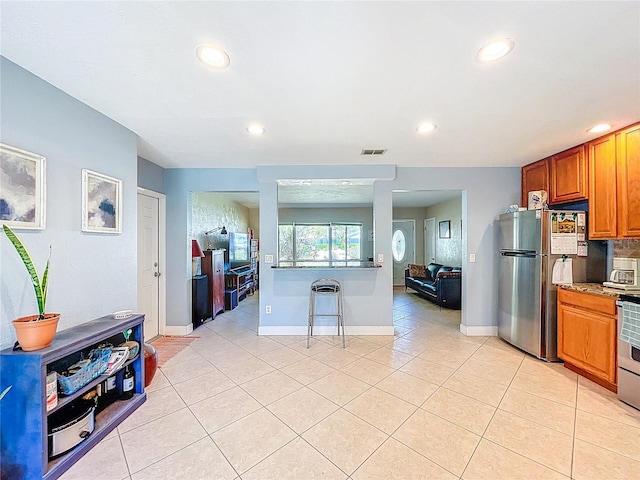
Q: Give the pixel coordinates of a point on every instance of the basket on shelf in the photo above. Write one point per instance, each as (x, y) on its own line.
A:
(98, 361)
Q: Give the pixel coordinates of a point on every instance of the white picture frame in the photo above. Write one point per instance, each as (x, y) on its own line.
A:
(101, 203)
(22, 188)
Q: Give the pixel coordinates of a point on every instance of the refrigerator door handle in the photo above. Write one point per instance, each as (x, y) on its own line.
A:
(519, 253)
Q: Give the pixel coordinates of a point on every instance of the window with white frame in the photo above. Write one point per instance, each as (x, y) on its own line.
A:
(319, 242)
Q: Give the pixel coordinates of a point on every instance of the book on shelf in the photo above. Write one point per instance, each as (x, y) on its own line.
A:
(119, 355)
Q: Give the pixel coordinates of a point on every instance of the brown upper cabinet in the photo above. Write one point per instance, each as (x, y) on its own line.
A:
(569, 178)
(628, 182)
(602, 187)
(564, 176)
(614, 193)
(535, 176)
(604, 171)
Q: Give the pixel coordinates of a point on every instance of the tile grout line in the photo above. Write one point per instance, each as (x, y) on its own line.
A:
(370, 386)
(482, 436)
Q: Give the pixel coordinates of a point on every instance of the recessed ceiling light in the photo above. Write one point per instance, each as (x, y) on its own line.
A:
(426, 127)
(212, 56)
(495, 50)
(256, 129)
(601, 127)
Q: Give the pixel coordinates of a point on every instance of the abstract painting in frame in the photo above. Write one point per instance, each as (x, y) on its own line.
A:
(22, 188)
(101, 203)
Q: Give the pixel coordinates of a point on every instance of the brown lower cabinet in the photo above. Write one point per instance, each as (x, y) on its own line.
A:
(587, 326)
(213, 268)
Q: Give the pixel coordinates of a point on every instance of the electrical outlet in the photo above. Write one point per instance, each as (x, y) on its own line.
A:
(267, 309)
(472, 258)
(381, 258)
(268, 259)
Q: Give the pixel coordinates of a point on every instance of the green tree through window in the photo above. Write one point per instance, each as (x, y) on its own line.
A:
(319, 242)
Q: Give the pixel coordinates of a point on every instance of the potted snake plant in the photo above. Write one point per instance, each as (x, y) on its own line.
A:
(34, 331)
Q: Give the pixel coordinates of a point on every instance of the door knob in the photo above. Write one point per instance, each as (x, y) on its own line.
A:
(157, 274)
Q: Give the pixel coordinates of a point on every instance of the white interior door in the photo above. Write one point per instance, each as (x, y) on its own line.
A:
(148, 264)
(429, 241)
(403, 247)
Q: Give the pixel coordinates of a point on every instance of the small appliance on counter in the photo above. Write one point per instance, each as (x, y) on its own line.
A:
(624, 275)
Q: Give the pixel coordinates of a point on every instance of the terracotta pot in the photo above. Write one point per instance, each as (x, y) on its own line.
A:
(150, 363)
(35, 334)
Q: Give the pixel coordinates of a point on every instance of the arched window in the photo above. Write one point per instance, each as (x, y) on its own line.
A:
(399, 245)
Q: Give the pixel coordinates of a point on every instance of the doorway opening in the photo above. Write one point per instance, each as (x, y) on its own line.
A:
(226, 226)
(439, 238)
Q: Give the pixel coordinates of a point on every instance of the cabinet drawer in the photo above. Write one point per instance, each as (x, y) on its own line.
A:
(599, 303)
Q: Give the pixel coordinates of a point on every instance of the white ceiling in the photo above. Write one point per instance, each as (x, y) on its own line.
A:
(328, 79)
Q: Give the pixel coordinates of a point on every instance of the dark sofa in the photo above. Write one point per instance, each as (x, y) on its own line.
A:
(438, 283)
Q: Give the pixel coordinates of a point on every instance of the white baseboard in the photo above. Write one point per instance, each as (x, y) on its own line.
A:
(178, 330)
(326, 330)
(479, 331)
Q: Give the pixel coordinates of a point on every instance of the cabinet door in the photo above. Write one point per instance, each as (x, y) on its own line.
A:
(207, 267)
(602, 188)
(628, 181)
(535, 176)
(218, 283)
(587, 340)
(568, 176)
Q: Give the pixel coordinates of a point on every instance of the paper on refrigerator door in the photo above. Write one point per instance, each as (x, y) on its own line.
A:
(564, 233)
(562, 272)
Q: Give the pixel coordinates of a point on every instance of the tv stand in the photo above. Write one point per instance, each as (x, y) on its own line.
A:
(240, 280)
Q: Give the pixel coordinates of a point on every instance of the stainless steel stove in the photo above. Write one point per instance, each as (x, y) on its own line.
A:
(629, 349)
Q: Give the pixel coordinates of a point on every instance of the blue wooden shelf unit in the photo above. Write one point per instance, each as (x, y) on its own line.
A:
(23, 412)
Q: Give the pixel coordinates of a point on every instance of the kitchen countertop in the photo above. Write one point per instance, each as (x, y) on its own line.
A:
(594, 288)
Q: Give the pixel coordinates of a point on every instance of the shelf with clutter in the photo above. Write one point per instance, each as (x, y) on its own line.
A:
(62, 428)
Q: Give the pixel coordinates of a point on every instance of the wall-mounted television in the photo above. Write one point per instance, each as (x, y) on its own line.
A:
(239, 251)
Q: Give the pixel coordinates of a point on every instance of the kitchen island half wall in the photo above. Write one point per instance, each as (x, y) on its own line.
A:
(290, 310)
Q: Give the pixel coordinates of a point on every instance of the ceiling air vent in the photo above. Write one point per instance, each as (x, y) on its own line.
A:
(371, 151)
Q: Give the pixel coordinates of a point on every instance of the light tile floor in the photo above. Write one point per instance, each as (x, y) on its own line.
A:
(428, 403)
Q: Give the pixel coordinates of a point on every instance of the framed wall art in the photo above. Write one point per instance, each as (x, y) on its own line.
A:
(22, 188)
(444, 229)
(101, 203)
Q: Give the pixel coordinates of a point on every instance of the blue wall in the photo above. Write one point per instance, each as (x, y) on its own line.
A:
(150, 175)
(486, 193)
(180, 183)
(91, 275)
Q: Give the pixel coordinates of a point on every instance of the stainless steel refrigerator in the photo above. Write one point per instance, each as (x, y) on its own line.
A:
(530, 242)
